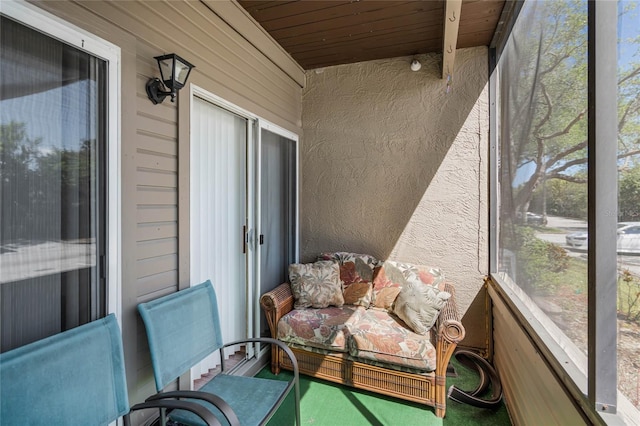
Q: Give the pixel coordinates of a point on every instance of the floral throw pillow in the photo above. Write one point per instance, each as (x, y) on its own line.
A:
(358, 294)
(419, 305)
(354, 267)
(386, 287)
(389, 279)
(316, 285)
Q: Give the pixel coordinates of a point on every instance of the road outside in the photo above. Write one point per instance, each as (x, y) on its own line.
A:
(572, 316)
(22, 261)
(632, 263)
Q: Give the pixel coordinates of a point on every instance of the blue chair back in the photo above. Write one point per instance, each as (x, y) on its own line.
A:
(75, 377)
(182, 329)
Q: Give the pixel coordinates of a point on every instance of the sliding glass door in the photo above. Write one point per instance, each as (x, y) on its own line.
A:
(244, 211)
(53, 120)
(278, 211)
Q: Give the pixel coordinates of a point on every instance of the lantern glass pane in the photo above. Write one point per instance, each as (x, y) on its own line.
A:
(166, 69)
(182, 71)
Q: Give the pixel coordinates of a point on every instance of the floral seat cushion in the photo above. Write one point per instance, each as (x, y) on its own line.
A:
(323, 328)
(378, 336)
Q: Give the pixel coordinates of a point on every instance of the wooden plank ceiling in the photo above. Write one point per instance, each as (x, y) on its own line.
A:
(320, 33)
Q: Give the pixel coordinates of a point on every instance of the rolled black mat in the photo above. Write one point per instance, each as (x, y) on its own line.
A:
(488, 377)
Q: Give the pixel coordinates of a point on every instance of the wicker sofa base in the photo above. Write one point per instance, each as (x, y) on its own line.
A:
(340, 369)
(428, 389)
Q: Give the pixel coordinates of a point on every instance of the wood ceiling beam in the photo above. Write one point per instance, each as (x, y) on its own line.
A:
(450, 35)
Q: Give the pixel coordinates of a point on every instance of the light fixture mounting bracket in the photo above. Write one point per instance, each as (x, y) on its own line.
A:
(156, 92)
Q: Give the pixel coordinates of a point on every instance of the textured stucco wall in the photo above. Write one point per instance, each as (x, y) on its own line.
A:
(394, 166)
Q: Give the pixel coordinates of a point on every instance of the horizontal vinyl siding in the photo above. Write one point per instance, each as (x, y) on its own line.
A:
(155, 213)
(250, 71)
(257, 36)
(531, 391)
(156, 180)
(223, 59)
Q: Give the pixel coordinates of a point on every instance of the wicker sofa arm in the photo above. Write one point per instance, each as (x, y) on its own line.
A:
(277, 303)
(448, 323)
(450, 332)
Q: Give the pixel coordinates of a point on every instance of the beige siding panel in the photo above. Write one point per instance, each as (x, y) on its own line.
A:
(270, 82)
(146, 297)
(166, 110)
(147, 386)
(154, 248)
(157, 265)
(154, 126)
(532, 393)
(156, 196)
(157, 231)
(154, 286)
(237, 17)
(146, 177)
(146, 214)
(155, 161)
(206, 27)
(145, 368)
(142, 355)
(159, 144)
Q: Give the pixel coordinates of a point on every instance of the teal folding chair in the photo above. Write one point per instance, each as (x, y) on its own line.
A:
(182, 329)
(74, 378)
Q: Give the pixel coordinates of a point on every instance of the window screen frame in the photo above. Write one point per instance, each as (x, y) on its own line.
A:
(595, 390)
(70, 34)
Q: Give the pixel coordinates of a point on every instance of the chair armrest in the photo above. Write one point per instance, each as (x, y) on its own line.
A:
(276, 342)
(277, 303)
(295, 383)
(213, 399)
(171, 404)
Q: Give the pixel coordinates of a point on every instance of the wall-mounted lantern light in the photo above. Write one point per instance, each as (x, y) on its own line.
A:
(174, 72)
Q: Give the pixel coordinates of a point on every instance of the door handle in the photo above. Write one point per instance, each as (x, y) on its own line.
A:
(244, 239)
(261, 239)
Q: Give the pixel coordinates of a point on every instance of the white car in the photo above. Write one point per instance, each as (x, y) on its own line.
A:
(628, 238)
(532, 218)
(577, 240)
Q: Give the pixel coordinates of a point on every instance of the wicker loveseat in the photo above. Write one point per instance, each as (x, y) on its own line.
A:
(366, 345)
